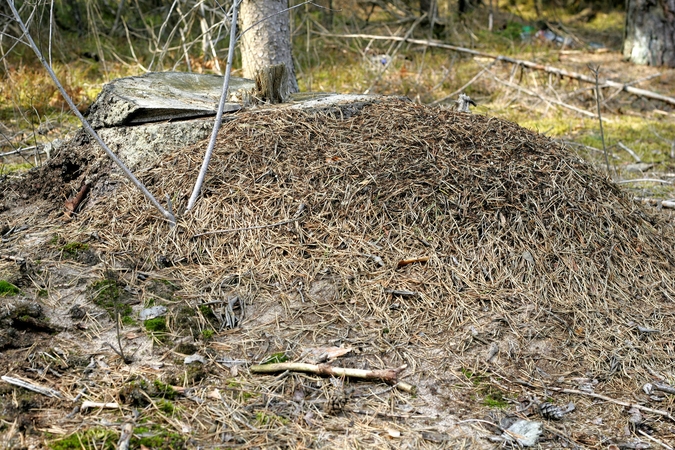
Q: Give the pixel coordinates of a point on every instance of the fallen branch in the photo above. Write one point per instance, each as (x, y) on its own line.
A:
(389, 376)
(32, 387)
(32, 148)
(615, 401)
(529, 64)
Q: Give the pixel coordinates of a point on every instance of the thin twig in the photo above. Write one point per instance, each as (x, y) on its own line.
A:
(596, 71)
(221, 108)
(630, 152)
(653, 439)
(466, 85)
(644, 180)
(615, 401)
(546, 99)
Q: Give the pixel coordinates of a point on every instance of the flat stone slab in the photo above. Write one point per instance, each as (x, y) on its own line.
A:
(160, 96)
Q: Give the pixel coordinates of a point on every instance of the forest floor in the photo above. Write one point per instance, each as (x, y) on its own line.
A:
(512, 276)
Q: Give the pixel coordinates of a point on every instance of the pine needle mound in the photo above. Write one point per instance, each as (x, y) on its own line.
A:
(518, 230)
(528, 246)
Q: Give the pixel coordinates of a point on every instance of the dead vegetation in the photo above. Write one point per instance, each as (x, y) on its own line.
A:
(503, 270)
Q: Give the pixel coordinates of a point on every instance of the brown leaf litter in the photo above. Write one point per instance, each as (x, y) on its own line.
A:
(525, 268)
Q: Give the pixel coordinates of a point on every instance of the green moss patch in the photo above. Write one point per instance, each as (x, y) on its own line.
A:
(95, 438)
(156, 325)
(7, 289)
(72, 249)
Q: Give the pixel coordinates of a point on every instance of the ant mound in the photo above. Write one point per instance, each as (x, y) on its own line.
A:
(452, 242)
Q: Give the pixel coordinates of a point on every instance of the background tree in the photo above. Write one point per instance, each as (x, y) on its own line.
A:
(650, 32)
(268, 43)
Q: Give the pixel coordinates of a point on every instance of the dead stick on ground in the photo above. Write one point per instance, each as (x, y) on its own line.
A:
(31, 387)
(73, 203)
(389, 376)
(406, 261)
(529, 64)
(615, 401)
(125, 436)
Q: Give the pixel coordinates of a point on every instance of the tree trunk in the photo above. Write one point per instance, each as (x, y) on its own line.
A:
(269, 42)
(650, 32)
(465, 6)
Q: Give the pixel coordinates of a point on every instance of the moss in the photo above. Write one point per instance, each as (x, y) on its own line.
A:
(152, 437)
(43, 293)
(165, 390)
(495, 399)
(207, 334)
(128, 320)
(263, 418)
(95, 438)
(166, 407)
(156, 437)
(72, 249)
(15, 168)
(156, 325)
(274, 358)
(7, 289)
(207, 312)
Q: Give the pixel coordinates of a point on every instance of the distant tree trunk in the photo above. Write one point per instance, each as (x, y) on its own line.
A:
(269, 42)
(650, 32)
(465, 6)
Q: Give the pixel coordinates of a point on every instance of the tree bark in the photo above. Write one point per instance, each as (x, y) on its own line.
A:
(269, 42)
(650, 32)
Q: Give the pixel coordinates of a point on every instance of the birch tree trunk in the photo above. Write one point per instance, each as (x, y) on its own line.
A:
(650, 32)
(269, 42)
